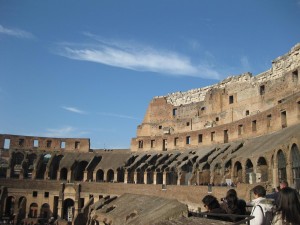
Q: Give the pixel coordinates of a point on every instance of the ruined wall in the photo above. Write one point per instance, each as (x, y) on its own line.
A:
(8, 141)
(234, 100)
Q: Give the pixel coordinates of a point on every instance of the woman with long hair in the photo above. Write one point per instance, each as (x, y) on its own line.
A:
(288, 208)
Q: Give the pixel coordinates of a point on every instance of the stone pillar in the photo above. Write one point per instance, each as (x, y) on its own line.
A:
(154, 177)
(58, 175)
(94, 176)
(126, 177)
(197, 177)
(164, 177)
(179, 178)
(145, 178)
(289, 172)
(105, 176)
(135, 177)
(69, 175)
(115, 176)
(85, 177)
(46, 174)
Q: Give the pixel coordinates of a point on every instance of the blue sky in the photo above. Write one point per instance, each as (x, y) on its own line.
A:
(90, 68)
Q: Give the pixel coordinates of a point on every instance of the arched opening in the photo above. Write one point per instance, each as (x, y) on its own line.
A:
(120, 177)
(171, 178)
(78, 172)
(28, 166)
(186, 173)
(262, 170)
(100, 176)
(238, 172)
(33, 210)
(3, 167)
(159, 177)
(281, 165)
(217, 174)
(204, 176)
(42, 165)
(149, 177)
(63, 174)
(130, 176)
(295, 156)
(227, 169)
(140, 177)
(17, 159)
(22, 207)
(250, 176)
(45, 211)
(68, 210)
(110, 175)
(10, 206)
(53, 168)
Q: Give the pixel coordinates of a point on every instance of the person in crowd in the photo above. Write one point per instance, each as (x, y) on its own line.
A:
(212, 205)
(260, 205)
(283, 184)
(274, 194)
(232, 205)
(288, 208)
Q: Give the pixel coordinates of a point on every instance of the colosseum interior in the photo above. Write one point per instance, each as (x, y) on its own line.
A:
(240, 132)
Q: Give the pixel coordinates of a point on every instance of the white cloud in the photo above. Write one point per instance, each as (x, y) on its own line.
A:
(136, 57)
(117, 115)
(16, 33)
(245, 64)
(67, 131)
(73, 109)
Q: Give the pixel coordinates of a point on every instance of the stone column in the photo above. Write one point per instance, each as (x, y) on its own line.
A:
(135, 177)
(104, 176)
(85, 177)
(115, 176)
(289, 173)
(164, 177)
(58, 175)
(179, 178)
(69, 175)
(145, 178)
(94, 176)
(154, 177)
(197, 177)
(126, 177)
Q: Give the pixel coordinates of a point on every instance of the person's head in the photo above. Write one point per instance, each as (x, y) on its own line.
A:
(288, 205)
(231, 192)
(210, 202)
(259, 191)
(283, 184)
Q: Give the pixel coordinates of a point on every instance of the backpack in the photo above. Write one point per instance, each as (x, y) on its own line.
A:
(268, 214)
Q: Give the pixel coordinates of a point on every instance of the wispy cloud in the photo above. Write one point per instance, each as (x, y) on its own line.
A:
(117, 115)
(245, 64)
(16, 32)
(137, 57)
(74, 110)
(67, 131)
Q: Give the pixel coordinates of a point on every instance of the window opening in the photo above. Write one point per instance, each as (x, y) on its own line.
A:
(152, 143)
(269, 118)
(187, 124)
(21, 142)
(295, 76)
(188, 140)
(140, 144)
(283, 119)
(49, 144)
(225, 136)
(175, 141)
(240, 129)
(200, 138)
(165, 145)
(46, 194)
(34, 194)
(160, 127)
(262, 90)
(77, 144)
(35, 143)
(230, 99)
(63, 144)
(6, 143)
(217, 119)
(254, 125)
(175, 112)
(247, 113)
(212, 136)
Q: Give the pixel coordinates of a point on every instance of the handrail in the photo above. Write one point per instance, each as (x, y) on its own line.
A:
(245, 218)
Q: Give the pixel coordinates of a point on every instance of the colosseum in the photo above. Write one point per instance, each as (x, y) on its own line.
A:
(240, 132)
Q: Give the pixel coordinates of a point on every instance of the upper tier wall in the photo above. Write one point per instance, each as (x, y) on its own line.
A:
(280, 66)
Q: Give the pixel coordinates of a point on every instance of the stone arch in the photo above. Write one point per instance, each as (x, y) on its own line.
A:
(68, 209)
(227, 169)
(250, 176)
(63, 174)
(110, 175)
(295, 161)
(217, 173)
(10, 206)
(3, 167)
(186, 173)
(29, 165)
(159, 177)
(120, 175)
(150, 176)
(140, 176)
(45, 211)
(54, 166)
(22, 207)
(16, 164)
(33, 210)
(262, 170)
(171, 177)
(78, 172)
(238, 172)
(42, 165)
(99, 176)
(281, 162)
(204, 175)
(130, 176)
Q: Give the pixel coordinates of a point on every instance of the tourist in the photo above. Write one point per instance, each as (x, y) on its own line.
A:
(232, 205)
(261, 205)
(283, 184)
(288, 208)
(212, 205)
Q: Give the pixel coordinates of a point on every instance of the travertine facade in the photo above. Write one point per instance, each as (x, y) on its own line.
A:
(244, 130)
